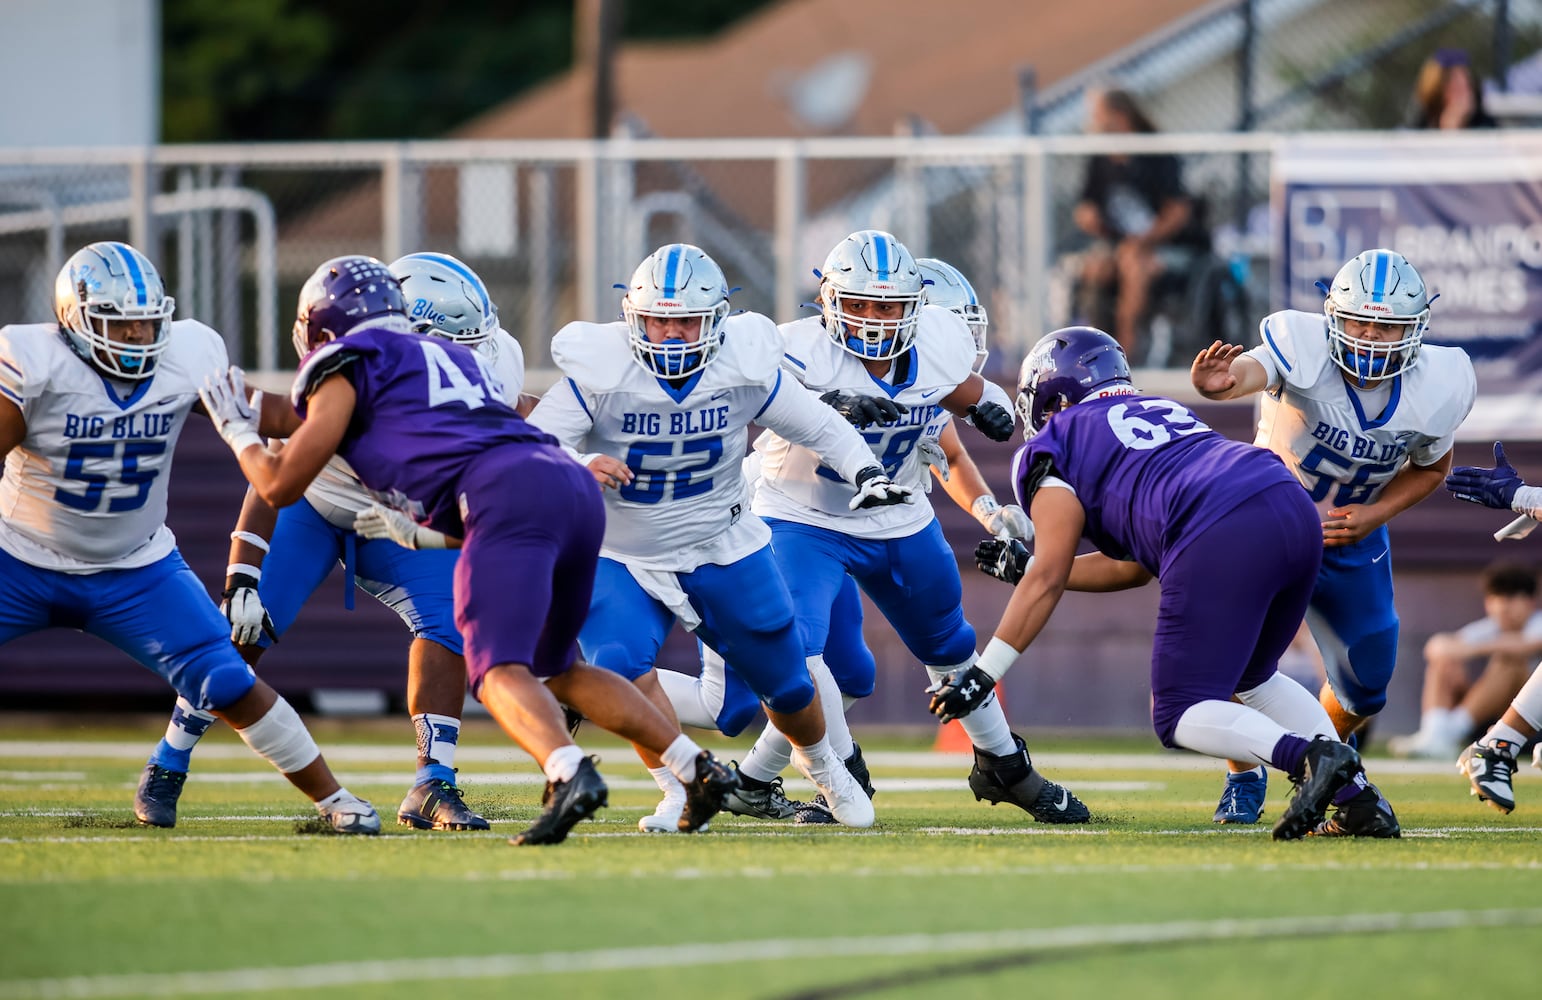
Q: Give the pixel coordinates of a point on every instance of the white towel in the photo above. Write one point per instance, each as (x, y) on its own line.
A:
(664, 587)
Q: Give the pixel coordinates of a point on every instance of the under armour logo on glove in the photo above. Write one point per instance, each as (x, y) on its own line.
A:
(860, 410)
(960, 692)
(874, 489)
(1007, 559)
(991, 419)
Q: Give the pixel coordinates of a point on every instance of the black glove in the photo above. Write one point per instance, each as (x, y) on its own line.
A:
(1004, 558)
(960, 692)
(860, 410)
(992, 419)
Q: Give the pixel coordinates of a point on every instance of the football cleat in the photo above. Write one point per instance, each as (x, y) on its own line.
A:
(760, 799)
(814, 812)
(155, 801)
(1243, 800)
(567, 802)
(353, 816)
(1489, 770)
(858, 768)
(846, 801)
(1013, 778)
(573, 718)
(1328, 767)
(437, 805)
(1368, 814)
(706, 793)
(665, 818)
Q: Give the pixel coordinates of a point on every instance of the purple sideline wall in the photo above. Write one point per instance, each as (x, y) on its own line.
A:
(1087, 671)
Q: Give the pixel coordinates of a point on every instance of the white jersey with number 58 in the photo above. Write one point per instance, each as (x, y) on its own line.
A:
(1342, 443)
(85, 491)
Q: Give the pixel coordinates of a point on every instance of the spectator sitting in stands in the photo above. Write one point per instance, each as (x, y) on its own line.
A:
(1448, 94)
(1509, 634)
(1142, 222)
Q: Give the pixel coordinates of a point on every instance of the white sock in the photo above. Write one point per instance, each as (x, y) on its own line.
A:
(1230, 731)
(819, 756)
(674, 792)
(847, 701)
(769, 756)
(680, 758)
(562, 763)
(1291, 705)
(836, 730)
(337, 798)
(1510, 734)
(685, 693)
(986, 726)
(1528, 703)
(438, 737)
(187, 725)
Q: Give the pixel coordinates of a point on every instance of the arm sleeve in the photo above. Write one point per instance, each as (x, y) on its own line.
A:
(564, 414)
(993, 393)
(797, 415)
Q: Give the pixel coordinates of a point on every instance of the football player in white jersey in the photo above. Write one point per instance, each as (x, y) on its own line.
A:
(658, 407)
(1489, 763)
(1365, 414)
(279, 558)
(901, 370)
(90, 411)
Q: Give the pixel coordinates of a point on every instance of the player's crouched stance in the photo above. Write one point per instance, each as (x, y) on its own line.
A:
(424, 424)
(1162, 495)
(90, 412)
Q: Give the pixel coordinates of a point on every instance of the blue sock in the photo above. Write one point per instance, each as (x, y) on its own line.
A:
(1289, 755)
(434, 772)
(175, 750)
(167, 756)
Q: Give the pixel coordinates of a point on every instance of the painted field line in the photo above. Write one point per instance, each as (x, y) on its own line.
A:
(310, 978)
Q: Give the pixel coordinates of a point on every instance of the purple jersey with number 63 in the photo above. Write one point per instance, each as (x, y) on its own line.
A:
(427, 409)
(1150, 475)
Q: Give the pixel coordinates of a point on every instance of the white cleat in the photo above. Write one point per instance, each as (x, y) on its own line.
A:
(352, 816)
(666, 818)
(848, 803)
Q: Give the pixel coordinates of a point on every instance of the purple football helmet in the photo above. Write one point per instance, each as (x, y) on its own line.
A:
(1066, 367)
(344, 294)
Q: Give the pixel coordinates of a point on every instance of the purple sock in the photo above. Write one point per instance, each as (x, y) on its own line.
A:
(1289, 755)
(1357, 785)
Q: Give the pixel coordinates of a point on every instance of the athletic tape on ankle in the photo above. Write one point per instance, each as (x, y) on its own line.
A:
(281, 739)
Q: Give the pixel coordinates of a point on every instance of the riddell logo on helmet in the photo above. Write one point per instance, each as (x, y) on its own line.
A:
(668, 304)
(882, 286)
(1376, 307)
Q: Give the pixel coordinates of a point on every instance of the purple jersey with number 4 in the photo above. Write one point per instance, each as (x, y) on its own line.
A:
(426, 410)
(1149, 474)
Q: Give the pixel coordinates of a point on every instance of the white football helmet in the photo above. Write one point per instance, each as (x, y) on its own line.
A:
(112, 281)
(676, 280)
(445, 298)
(1377, 286)
(870, 264)
(946, 286)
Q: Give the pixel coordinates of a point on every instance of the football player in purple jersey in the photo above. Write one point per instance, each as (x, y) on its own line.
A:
(426, 427)
(1161, 495)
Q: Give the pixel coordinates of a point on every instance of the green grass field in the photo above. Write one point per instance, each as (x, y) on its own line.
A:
(945, 897)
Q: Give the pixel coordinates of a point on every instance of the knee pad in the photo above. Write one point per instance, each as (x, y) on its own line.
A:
(1360, 679)
(792, 693)
(618, 658)
(738, 712)
(224, 684)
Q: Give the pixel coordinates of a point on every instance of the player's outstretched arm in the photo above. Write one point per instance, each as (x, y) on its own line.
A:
(280, 478)
(796, 414)
(1500, 487)
(1224, 371)
(1352, 522)
(984, 404)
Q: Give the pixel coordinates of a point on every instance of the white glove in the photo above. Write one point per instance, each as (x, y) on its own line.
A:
(242, 607)
(930, 450)
(376, 521)
(1010, 521)
(224, 398)
(874, 489)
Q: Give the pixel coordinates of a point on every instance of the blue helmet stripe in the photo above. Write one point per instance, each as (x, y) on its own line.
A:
(881, 256)
(462, 270)
(136, 275)
(1379, 282)
(672, 270)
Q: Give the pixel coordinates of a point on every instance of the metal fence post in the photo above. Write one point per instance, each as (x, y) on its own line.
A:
(789, 214)
(542, 240)
(141, 219)
(1037, 233)
(402, 203)
(586, 251)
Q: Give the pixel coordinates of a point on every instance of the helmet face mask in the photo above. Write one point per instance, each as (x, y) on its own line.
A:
(676, 282)
(1380, 287)
(101, 286)
(946, 286)
(871, 266)
(1066, 367)
(343, 295)
(446, 299)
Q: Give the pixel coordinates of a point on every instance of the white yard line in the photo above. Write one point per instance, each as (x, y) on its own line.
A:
(310, 978)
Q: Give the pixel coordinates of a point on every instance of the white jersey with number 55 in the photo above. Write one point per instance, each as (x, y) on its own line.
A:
(85, 491)
(796, 486)
(1342, 443)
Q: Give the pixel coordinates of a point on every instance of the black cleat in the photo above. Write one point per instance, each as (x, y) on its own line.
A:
(1368, 814)
(437, 805)
(155, 801)
(760, 799)
(1013, 778)
(1329, 766)
(706, 794)
(858, 768)
(567, 802)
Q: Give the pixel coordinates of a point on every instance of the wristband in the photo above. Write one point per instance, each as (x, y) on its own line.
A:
(250, 538)
(1527, 499)
(997, 658)
(244, 569)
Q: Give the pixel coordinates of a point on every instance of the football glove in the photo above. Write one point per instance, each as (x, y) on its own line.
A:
(224, 399)
(1010, 521)
(991, 419)
(1490, 487)
(376, 521)
(960, 692)
(874, 489)
(860, 410)
(242, 608)
(1007, 559)
(931, 453)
